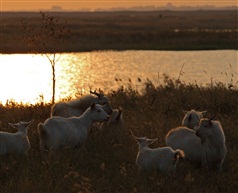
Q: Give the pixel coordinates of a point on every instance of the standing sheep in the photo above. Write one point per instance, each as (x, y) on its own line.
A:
(186, 139)
(60, 132)
(78, 106)
(15, 143)
(205, 146)
(162, 159)
(192, 117)
(213, 141)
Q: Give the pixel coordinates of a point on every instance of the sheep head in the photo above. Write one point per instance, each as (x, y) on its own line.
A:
(144, 141)
(204, 128)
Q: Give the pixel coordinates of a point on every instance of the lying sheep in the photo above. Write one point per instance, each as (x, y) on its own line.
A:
(59, 132)
(192, 117)
(205, 146)
(77, 107)
(162, 159)
(15, 143)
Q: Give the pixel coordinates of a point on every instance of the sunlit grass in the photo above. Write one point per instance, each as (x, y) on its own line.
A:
(107, 163)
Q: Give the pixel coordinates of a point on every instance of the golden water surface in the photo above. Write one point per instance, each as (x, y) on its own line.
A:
(26, 78)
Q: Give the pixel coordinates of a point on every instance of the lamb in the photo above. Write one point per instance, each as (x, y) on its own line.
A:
(15, 143)
(115, 120)
(192, 117)
(116, 117)
(162, 159)
(59, 132)
(78, 106)
(205, 146)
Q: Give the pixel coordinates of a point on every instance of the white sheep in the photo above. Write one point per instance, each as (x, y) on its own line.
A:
(78, 106)
(186, 139)
(15, 143)
(205, 146)
(213, 141)
(192, 117)
(59, 132)
(162, 159)
(115, 120)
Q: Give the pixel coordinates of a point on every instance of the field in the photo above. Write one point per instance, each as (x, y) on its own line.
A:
(158, 30)
(107, 163)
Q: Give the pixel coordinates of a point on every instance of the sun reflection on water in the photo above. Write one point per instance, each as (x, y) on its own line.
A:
(25, 78)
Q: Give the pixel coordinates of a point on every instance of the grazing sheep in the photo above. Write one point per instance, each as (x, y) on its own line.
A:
(77, 107)
(60, 132)
(115, 120)
(213, 142)
(192, 117)
(205, 146)
(162, 159)
(15, 143)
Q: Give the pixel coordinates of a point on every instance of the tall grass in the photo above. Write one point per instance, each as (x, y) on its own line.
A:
(107, 163)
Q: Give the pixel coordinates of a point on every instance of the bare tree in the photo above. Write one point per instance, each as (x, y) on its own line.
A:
(46, 39)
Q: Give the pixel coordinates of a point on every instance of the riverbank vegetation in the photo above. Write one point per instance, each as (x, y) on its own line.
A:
(107, 163)
(154, 30)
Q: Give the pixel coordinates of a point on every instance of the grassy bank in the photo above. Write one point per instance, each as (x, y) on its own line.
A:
(155, 30)
(107, 164)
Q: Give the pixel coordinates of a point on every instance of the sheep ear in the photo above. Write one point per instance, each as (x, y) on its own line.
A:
(14, 125)
(119, 114)
(152, 140)
(185, 112)
(92, 106)
(203, 112)
(212, 118)
(29, 123)
(136, 138)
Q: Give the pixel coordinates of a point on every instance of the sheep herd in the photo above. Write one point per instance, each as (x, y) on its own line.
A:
(199, 140)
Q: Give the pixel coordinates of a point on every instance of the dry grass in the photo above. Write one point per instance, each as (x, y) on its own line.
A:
(155, 30)
(107, 164)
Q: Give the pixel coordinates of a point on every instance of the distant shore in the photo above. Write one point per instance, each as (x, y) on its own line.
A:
(130, 30)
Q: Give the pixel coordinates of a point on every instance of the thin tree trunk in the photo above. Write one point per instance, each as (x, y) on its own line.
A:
(53, 74)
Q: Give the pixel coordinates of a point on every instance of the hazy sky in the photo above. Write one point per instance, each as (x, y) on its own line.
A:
(14, 5)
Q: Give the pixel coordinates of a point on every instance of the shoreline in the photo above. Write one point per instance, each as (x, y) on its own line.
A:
(154, 30)
(121, 50)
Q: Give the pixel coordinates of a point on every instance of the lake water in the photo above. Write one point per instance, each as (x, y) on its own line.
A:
(24, 77)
